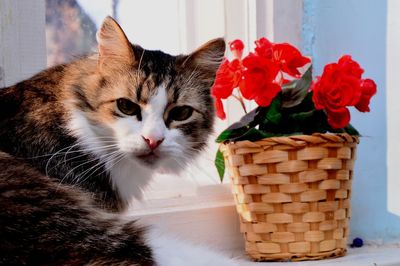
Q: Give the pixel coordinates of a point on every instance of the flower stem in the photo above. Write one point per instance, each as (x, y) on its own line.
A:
(240, 99)
(281, 81)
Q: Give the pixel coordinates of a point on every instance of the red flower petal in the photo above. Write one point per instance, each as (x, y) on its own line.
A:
(290, 58)
(317, 97)
(227, 79)
(219, 107)
(338, 118)
(350, 67)
(368, 89)
(264, 48)
(237, 47)
(267, 95)
(258, 74)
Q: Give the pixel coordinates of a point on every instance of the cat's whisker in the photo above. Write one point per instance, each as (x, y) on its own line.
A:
(194, 163)
(72, 146)
(96, 167)
(212, 178)
(83, 155)
(48, 162)
(59, 151)
(116, 158)
(92, 150)
(116, 161)
(76, 167)
(190, 173)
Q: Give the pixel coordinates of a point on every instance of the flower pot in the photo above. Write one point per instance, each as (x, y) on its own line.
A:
(293, 194)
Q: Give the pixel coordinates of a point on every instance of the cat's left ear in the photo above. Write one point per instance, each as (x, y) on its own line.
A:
(114, 47)
(207, 57)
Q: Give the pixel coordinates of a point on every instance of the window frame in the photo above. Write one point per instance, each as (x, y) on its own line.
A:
(393, 107)
(22, 40)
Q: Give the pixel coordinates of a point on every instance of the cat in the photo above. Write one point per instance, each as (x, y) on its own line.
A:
(79, 141)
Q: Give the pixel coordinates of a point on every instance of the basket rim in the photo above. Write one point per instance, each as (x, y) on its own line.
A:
(298, 140)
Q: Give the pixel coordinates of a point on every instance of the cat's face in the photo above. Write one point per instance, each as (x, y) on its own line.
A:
(159, 115)
(146, 106)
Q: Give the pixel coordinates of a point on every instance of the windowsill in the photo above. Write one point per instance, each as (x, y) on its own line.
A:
(203, 197)
(365, 256)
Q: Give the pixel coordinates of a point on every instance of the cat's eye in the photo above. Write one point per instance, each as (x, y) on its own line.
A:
(128, 107)
(180, 113)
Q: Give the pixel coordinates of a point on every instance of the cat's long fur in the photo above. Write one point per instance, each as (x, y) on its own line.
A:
(60, 191)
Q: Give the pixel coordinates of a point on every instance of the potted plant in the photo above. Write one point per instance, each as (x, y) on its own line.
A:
(291, 159)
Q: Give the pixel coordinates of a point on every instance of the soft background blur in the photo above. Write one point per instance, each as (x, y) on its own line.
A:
(369, 30)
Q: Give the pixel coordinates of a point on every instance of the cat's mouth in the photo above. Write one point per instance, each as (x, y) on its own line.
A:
(149, 158)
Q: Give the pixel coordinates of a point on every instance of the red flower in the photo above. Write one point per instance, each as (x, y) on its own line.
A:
(266, 95)
(264, 48)
(237, 47)
(350, 67)
(368, 89)
(285, 55)
(338, 118)
(289, 58)
(219, 107)
(227, 78)
(340, 86)
(258, 77)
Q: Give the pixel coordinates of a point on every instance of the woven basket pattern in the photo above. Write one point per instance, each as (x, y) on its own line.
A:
(293, 194)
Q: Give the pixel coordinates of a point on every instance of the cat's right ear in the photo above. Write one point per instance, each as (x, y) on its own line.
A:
(114, 47)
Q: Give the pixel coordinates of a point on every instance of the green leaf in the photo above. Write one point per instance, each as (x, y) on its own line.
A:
(220, 164)
(246, 120)
(351, 130)
(302, 116)
(229, 135)
(253, 134)
(239, 128)
(274, 111)
(294, 92)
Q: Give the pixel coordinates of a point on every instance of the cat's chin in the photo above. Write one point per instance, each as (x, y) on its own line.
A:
(150, 160)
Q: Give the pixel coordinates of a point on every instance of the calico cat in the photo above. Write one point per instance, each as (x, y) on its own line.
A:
(79, 141)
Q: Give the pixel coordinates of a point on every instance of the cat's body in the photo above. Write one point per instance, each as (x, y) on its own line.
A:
(79, 141)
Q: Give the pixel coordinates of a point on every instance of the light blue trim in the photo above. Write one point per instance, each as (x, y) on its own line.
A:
(308, 28)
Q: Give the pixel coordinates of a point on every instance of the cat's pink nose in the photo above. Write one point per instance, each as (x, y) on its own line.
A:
(153, 143)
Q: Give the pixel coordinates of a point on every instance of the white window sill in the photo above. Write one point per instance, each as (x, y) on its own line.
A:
(365, 256)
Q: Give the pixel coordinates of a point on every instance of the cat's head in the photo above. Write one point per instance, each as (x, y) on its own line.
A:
(150, 107)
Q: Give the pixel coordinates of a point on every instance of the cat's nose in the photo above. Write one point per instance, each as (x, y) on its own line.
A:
(153, 143)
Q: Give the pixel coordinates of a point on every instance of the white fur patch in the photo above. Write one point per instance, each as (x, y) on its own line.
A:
(130, 178)
(169, 251)
(129, 175)
(153, 115)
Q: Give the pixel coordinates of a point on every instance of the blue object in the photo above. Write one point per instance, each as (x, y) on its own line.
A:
(357, 243)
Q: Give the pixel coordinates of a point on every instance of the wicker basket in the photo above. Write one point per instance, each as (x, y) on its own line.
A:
(293, 194)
